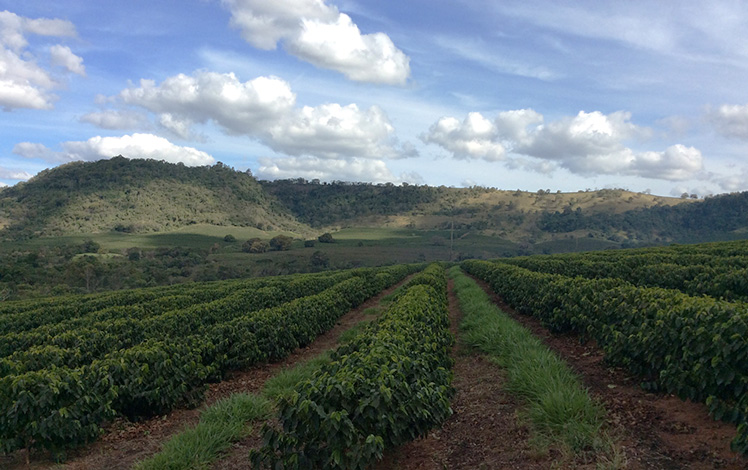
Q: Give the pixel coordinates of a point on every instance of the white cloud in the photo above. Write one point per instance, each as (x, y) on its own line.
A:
(263, 109)
(10, 174)
(23, 82)
(49, 27)
(360, 57)
(585, 144)
(116, 119)
(129, 146)
(238, 107)
(318, 33)
(474, 137)
(675, 163)
(62, 56)
(333, 131)
(735, 181)
(730, 120)
(356, 169)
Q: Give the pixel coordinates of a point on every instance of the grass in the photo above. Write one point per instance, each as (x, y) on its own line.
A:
(559, 410)
(349, 334)
(227, 421)
(221, 424)
(281, 386)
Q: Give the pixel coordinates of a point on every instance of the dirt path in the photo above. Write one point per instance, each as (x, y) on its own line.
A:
(125, 443)
(483, 432)
(659, 431)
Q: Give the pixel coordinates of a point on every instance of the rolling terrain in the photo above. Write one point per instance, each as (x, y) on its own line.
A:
(119, 223)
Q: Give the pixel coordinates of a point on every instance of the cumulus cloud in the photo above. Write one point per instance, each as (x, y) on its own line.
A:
(356, 169)
(23, 82)
(320, 34)
(129, 146)
(735, 181)
(473, 138)
(62, 56)
(585, 144)
(730, 120)
(264, 109)
(333, 131)
(238, 107)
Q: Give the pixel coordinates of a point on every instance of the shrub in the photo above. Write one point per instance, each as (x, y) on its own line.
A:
(281, 243)
(326, 238)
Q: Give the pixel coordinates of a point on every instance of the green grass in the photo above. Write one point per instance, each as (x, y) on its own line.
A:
(227, 421)
(221, 424)
(374, 311)
(193, 236)
(351, 333)
(559, 410)
(281, 386)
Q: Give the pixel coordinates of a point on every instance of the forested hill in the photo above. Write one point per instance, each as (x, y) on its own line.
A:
(323, 204)
(137, 195)
(715, 218)
(150, 196)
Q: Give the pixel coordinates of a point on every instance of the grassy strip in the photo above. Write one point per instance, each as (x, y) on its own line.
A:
(559, 409)
(227, 421)
(220, 425)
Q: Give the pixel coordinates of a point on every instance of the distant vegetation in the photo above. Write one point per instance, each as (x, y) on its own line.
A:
(120, 223)
(717, 217)
(136, 196)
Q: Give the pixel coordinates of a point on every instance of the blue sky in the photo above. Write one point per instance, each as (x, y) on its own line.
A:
(648, 96)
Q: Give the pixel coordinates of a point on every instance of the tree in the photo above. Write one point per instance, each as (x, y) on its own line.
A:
(90, 246)
(229, 238)
(308, 243)
(255, 245)
(281, 243)
(326, 238)
(320, 260)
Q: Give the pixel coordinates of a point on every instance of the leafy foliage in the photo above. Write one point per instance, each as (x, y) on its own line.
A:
(388, 385)
(140, 367)
(694, 347)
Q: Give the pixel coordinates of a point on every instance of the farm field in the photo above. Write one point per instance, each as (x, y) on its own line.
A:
(468, 414)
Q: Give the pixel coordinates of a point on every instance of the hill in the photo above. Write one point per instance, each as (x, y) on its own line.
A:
(138, 196)
(517, 216)
(147, 196)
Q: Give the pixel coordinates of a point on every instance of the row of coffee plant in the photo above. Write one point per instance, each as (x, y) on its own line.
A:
(65, 313)
(391, 384)
(79, 341)
(695, 347)
(75, 304)
(716, 269)
(58, 407)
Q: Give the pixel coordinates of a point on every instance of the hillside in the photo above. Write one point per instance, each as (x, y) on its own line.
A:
(138, 196)
(147, 196)
(517, 216)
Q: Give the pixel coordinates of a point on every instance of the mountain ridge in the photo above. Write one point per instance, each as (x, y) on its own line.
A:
(141, 196)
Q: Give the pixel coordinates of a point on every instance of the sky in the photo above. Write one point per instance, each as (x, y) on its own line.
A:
(511, 94)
